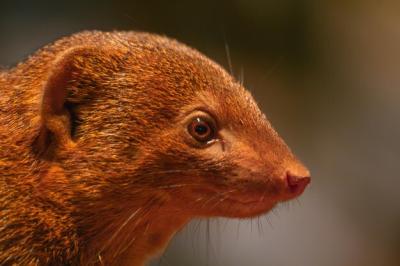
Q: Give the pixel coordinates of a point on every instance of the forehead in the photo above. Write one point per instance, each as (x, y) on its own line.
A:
(169, 68)
(166, 59)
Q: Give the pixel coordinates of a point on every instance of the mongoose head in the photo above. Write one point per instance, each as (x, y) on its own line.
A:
(124, 129)
(138, 115)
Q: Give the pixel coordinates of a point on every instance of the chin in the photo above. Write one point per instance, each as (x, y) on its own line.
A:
(236, 209)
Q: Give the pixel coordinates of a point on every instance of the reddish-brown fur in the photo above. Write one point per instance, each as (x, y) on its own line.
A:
(97, 166)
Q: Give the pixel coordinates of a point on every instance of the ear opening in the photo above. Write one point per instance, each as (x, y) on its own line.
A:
(75, 120)
(57, 117)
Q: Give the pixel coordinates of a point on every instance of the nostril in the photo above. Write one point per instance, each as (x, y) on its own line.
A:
(297, 183)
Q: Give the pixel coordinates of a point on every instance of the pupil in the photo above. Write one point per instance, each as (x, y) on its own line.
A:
(201, 129)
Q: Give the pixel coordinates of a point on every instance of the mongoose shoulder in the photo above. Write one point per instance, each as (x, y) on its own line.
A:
(110, 142)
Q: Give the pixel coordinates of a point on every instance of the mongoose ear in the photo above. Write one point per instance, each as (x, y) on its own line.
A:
(55, 130)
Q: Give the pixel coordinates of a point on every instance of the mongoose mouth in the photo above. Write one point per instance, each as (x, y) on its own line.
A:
(257, 199)
(283, 189)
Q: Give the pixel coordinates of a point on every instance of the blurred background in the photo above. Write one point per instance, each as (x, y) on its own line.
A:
(327, 75)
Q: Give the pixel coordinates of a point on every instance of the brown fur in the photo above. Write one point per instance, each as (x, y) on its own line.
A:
(95, 163)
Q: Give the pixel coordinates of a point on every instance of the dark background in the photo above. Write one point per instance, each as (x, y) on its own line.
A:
(327, 75)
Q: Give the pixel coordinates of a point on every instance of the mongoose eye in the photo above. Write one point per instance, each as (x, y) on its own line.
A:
(202, 129)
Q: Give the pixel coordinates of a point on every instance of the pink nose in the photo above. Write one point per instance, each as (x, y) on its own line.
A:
(297, 184)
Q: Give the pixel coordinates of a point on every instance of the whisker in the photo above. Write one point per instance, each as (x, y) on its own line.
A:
(298, 202)
(196, 232)
(241, 76)
(208, 241)
(162, 258)
(177, 185)
(237, 229)
(260, 226)
(262, 197)
(121, 248)
(276, 212)
(126, 247)
(216, 196)
(226, 195)
(269, 221)
(228, 56)
(100, 259)
(199, 199)
(119, 229)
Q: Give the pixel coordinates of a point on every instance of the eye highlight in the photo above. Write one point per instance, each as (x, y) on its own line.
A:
(202, 129)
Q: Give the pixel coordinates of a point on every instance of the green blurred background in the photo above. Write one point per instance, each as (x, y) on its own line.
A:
(327, 75)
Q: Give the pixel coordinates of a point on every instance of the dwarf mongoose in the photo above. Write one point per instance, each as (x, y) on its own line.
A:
(110, 142)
